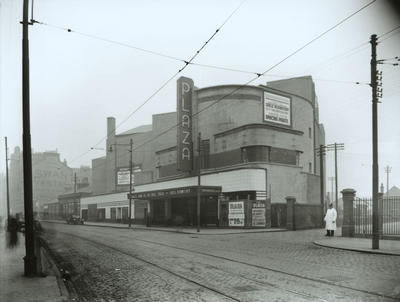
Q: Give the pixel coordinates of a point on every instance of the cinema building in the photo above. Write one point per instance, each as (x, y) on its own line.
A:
(257, 147)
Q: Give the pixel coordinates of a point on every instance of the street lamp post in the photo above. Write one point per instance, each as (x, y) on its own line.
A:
(130, 174)
(7, 184)
(130, 183)
(198, 180)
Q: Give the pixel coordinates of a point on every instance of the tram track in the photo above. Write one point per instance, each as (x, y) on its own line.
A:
(217, 291)
(271, 269)
(180, 276)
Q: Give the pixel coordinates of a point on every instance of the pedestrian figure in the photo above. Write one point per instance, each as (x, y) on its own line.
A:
(330, 221)
(12, 232)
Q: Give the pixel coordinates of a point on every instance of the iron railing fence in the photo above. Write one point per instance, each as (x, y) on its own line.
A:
(389, 216)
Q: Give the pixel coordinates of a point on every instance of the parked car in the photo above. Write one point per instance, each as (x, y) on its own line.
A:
(75, 219)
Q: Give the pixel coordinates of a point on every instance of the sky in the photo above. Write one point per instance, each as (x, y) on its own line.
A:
(77, 81)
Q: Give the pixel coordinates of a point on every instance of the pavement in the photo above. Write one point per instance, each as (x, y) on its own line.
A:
(15, 287)
(386, 247)
(174, 229)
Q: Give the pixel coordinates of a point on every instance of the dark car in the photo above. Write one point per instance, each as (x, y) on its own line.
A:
(75, 219)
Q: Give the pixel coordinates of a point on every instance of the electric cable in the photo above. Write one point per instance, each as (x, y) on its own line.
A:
(202, 47)
(170, 79)
(319, 36)
(111, 41)
(261, 74)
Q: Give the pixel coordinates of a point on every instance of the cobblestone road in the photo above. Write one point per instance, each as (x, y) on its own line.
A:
(109, 264)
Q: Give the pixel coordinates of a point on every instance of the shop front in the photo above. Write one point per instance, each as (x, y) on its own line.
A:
(178, 206)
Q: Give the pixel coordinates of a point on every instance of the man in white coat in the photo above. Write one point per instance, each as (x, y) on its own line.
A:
(330, 221)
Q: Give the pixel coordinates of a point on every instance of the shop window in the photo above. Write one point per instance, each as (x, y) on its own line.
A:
(283, 156)
(223, 144)
(255, 154)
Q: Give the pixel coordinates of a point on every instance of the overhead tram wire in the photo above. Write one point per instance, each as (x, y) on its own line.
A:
(319, 36)
(273, 75)
(389, 32)
(259, 74)
(190, 62)
(170, 79)
(110, 41)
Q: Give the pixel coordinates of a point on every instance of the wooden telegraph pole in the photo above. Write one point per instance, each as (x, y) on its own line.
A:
(335, 147)
(30, 258)
(375, 77)
(321, 152)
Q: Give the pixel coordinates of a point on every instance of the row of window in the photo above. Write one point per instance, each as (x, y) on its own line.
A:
(269, 154)
(256, 154)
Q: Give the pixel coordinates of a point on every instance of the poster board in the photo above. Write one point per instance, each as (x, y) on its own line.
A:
(236, 213)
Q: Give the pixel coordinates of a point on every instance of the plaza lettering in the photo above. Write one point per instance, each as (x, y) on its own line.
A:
(184, 110)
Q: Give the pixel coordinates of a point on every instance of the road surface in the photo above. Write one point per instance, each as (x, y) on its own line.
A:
(109, 264)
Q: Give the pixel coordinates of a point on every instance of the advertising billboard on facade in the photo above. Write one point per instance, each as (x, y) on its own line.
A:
(258, 215)
(184, 134)
(123, 175)
(236, 213)
(277, 109)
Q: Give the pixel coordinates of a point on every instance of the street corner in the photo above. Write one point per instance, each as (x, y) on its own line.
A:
(364, 245)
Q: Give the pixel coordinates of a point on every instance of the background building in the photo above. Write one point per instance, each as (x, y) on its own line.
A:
(257, 144)
(50, 176)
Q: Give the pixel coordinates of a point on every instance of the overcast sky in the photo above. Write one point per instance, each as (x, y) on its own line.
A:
(77, 82)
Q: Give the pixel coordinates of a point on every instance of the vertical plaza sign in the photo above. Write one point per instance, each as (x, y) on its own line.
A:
(184, 113)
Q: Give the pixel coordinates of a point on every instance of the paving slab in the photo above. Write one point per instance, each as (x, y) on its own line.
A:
(386, 247)
(14, 286)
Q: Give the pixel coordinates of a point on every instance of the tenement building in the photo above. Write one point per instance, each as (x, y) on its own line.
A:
(50, 178)
(252, 146)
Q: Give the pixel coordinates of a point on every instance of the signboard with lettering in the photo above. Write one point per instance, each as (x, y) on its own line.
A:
(258, 215)
(123, 175)
(176, 192)
(277, 109)
(184, 114)
(236, 213)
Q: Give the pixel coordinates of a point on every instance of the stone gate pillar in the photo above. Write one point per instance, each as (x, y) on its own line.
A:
(290, 213)
(348, 220)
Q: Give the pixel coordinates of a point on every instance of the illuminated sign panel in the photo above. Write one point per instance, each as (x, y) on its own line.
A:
(277, 109)
(184, 113)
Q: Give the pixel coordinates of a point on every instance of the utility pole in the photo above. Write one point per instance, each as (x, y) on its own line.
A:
(130, 183)
(332, 179)
(7, 184)
(74, 182)
(336, 147)
(30, 258)
(198, 180)
(375, 77)
(387, 170)
(321, 152)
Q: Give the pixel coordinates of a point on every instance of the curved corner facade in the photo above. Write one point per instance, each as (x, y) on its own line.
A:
(257, 147)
